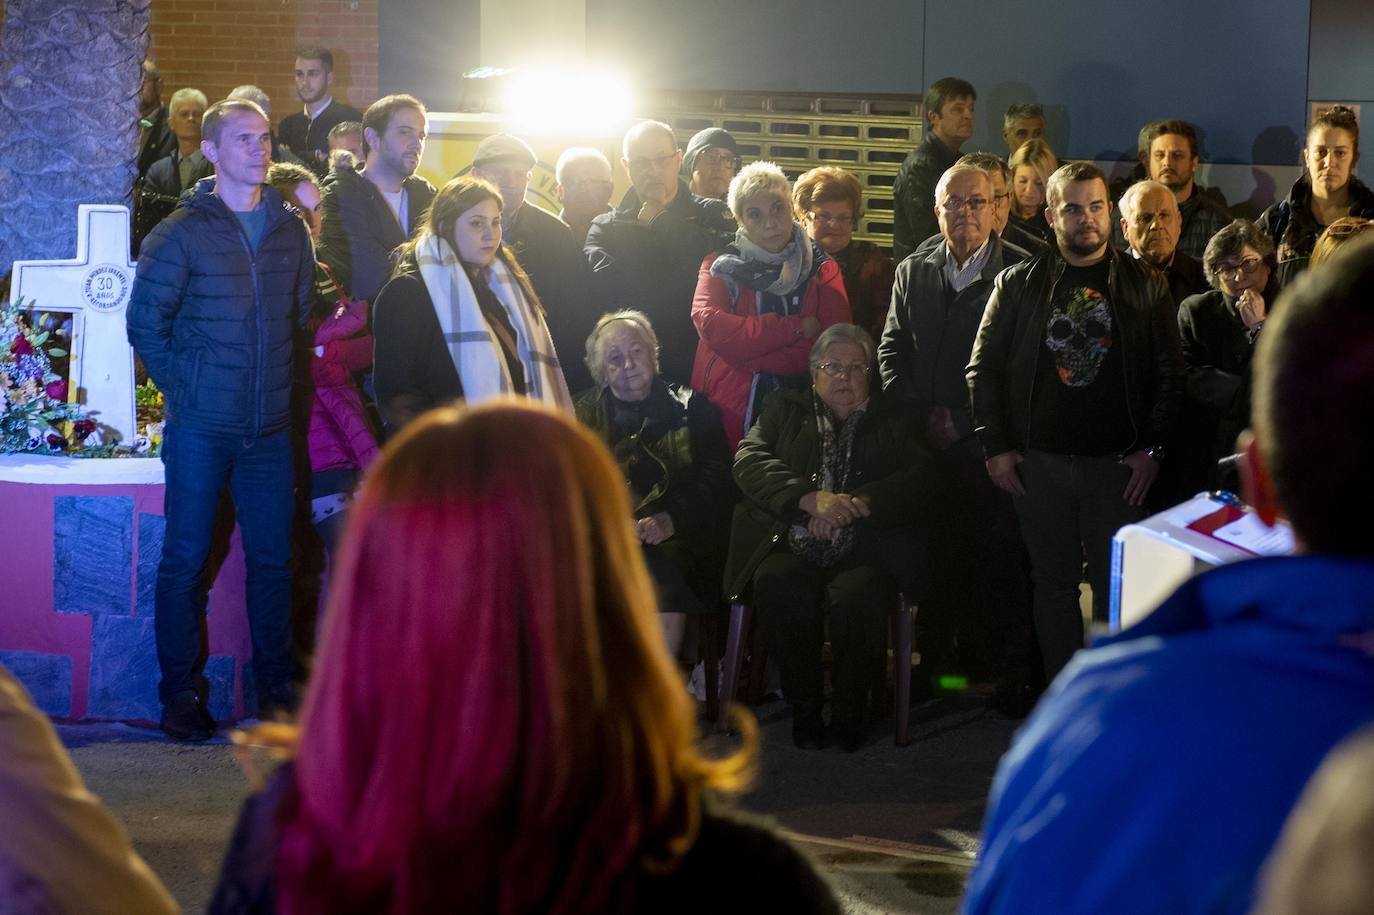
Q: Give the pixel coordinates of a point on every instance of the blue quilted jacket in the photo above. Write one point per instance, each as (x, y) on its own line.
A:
(215, 323)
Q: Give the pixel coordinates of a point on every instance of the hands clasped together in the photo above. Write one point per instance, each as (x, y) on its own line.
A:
(831, 511)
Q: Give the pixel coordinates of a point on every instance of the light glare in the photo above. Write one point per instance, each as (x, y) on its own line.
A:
(544, 101)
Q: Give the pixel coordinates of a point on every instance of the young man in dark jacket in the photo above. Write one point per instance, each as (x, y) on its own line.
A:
(949, 124)
(980, 583)
(647, 253)
(370, 212)
(222, 290)
(1074, 380)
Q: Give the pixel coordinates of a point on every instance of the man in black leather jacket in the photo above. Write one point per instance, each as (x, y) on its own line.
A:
(1074, 381)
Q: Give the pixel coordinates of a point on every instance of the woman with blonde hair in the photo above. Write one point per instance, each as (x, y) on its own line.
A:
(1031, 166)
(459, 318)
(761, 302)
(494, 724)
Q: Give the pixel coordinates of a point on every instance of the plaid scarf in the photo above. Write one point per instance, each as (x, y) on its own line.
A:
(470, 339)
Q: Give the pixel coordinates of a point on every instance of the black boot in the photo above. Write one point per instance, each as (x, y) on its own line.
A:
(183, 718)
(808, 730)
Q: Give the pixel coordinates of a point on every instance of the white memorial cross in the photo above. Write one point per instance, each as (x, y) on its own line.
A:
(93, 288)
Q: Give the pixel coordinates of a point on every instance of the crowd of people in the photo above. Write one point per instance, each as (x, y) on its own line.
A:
(538, 448)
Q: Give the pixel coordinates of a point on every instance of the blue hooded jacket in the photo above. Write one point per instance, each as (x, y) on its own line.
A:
(215, 322)
(1157, 772)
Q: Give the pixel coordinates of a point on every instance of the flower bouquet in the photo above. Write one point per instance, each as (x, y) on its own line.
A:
(35, 413)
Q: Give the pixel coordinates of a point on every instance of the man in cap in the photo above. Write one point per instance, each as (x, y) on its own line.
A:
(710, 163)
(545, 248)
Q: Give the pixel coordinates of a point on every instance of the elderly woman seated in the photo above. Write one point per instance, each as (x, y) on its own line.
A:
(759, 304)
(832, 480)
(670, 446)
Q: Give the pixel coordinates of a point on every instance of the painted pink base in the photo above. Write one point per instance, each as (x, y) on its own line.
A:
(28, 622)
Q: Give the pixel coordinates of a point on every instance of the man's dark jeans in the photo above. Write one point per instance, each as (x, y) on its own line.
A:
(260, 478)
(1072, 507)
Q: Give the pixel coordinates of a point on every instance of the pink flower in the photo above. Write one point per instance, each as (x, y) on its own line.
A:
(56, 390)
(21, 346)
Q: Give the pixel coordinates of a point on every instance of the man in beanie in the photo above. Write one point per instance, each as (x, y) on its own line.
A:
(710, 163)
(545, 247)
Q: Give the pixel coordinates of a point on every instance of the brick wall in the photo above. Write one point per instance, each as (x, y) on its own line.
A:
(215, 45)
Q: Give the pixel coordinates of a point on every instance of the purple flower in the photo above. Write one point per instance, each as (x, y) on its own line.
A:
(82, 428)
(56, 390)
(56, 442)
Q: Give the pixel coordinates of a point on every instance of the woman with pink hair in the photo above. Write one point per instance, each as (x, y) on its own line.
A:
(494, 724)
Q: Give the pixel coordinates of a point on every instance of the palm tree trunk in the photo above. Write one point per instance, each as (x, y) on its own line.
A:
(70, 72)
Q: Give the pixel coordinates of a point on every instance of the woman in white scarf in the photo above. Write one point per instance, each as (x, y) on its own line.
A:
(459, 318)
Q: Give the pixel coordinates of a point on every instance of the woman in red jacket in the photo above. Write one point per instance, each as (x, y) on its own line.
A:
(761, 303)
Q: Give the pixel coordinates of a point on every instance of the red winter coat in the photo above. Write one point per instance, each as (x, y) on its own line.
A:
(737, 341)
(339, 436)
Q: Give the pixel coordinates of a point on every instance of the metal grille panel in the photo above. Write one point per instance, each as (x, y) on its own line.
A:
(866, 135)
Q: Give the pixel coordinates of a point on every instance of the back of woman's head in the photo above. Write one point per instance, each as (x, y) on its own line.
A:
(494, 724)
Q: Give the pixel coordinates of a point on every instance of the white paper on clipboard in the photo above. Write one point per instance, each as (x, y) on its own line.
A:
(1250, 533)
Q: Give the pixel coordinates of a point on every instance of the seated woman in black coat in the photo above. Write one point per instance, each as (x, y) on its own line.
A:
(669, 443)
(832, 479)
(1219, 330)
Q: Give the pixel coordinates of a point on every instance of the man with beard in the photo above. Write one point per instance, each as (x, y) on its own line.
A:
(306, 133)
(1074, 382)
(155, 137)
(1150, 222)
(369, 212)
(1170, 150)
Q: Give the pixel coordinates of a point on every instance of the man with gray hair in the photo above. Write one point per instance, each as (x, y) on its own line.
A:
(1021, 123)
(647, 253)
(584, 187)
(980, 586)
(1150, 223)
(260, 98)
(1074, 380)
(186, 165)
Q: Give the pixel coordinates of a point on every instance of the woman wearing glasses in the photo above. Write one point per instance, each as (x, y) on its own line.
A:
(760, 303)
(832, 482)
(1327, 190)
(1219, 330)
(829, 201)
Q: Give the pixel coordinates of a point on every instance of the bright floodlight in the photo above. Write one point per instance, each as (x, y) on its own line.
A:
(545, 101)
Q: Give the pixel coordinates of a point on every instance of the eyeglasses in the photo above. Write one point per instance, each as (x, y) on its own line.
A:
(1345, 229)
(837, 370)
(719, 157)
(825, 219)
(955, 204)
(639, 165)
(1245, 267)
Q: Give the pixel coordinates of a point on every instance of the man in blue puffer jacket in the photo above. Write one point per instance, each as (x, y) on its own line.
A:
(1157, 771)
(221, 292)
